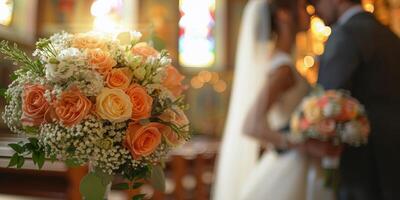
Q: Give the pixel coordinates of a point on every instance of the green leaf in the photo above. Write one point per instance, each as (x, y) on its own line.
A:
(30, 147)
(31, 130)
(3, 92)
(72, 162)
(139, 197)
(71, 149)
(41, 159)
(92, 188)
(144, 121)
(13, 76)
(53, 158)
(20, 162)
(17, 148)
(33, 140)
(142, 172)
(121, 186)
(35, 157)
(137, 185)
(13, 160)
(157, 178)
(105, 178)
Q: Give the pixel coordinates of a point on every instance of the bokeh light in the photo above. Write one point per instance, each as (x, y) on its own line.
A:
(220, 86)
(308, 61)
(6, 12)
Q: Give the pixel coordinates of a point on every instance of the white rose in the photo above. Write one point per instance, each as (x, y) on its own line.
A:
(64, 65)
(139, 73)
(58, 72)
(331, 110)
(129, 37)
(351, 133)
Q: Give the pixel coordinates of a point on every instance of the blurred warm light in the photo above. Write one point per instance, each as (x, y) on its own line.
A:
(100, 8)
(327, 31)
(196, 83)
(205, 76)
(369, 7)
(299, 66)
(104, 24)
(319, 29)
(220, 86)
(318, 48)
(214, 78)
(312, 77)
(6, 12)
(196, 41)
(310, 9)
(308, 61)
(105, 20)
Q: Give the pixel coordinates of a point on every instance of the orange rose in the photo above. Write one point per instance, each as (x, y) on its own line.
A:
(73, 107)
(349, 110)
(34, 105)
(173, 81)
(101, 61)
(119, 78)
(142, 102)
(85, 41)
(144, 50)
(179, 119)
(143, 140)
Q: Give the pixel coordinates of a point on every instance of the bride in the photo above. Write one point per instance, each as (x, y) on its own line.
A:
(266, 90)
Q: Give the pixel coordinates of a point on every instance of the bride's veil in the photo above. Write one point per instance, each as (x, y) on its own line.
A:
(238, 154)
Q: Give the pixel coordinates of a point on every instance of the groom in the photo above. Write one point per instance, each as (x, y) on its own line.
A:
(363, 56)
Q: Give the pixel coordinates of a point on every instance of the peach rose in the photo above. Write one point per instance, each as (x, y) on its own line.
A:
(101, 60)
(295, 123)
(144, 50)
(85, 41)
(312, 111)
(304, 124)
(113, 105)
(119, 78)
(179, 119)
(34, 105)
(141, 101)
(365, 126)
(326, 127)
(72, 107)
(173, 81)
(143, 140)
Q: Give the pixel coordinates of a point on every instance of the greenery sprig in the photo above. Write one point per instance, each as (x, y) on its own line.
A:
(19, 58)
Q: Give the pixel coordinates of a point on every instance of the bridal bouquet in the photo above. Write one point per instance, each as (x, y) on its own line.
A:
(109, 101)
(332, 116)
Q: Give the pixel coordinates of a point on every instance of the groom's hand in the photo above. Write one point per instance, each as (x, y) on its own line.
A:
(319, 149)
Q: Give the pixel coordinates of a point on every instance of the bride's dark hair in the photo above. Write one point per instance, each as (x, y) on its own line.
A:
(274, 6)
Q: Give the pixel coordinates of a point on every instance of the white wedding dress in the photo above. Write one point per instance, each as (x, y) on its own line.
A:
(290, 175)
(241, 174)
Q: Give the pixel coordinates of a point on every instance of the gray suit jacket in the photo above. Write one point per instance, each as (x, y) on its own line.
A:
(363, 56)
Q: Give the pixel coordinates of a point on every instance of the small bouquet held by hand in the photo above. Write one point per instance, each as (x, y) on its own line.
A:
(331, 116)
(107, 100)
